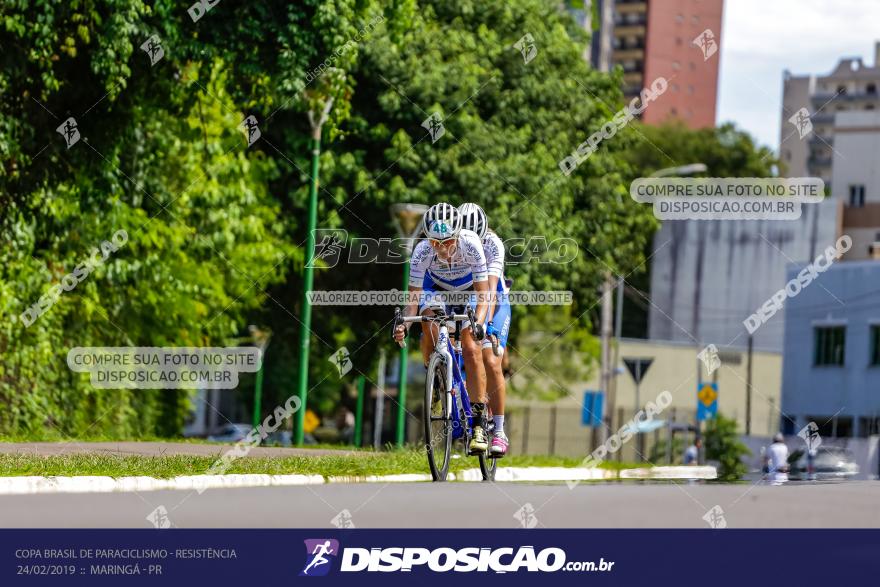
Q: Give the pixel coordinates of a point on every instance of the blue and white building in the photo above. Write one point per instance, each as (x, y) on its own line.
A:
(831, 357)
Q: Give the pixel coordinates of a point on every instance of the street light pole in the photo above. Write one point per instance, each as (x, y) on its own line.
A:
(308, 270)
(402, 374)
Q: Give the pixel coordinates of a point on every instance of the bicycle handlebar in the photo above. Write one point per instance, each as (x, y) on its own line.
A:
(449, 318)
(400, 319)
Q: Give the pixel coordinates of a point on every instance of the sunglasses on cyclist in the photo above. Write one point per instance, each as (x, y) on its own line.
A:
(439, 242)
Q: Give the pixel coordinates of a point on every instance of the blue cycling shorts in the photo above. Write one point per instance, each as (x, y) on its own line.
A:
(500, 320)
(432, 295)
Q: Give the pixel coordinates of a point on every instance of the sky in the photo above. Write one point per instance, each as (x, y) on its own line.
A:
(762, 38)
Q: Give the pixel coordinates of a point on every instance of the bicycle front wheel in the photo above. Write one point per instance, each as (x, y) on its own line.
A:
(488, 465)
(436, 417)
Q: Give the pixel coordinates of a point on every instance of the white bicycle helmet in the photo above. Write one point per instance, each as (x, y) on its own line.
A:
(441, 222)
(473, 218)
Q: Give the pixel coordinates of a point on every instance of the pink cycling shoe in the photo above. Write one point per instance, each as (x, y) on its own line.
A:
(499, 445)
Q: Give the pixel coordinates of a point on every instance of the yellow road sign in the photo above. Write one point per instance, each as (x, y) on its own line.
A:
(707, 395)
(310, 422)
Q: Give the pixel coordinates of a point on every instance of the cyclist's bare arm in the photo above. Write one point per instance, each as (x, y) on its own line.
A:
(482, 289)
(410, 310)
(493, 297)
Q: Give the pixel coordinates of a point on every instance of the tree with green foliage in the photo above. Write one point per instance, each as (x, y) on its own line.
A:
(161, 157)
(725, 150)
(216, 227)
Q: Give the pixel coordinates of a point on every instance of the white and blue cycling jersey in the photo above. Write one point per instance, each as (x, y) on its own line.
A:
(493, 248)
(466, 266)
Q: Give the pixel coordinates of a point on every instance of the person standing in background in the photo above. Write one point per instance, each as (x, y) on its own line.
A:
(776, 460)
(692, 454)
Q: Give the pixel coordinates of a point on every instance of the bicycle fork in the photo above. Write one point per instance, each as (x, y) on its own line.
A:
(443, 350)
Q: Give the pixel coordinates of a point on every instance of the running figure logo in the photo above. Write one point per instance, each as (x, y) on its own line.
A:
(802, 122)
(705, 41)
(317, 552)
(527, 48)
(69, 131)
(715, 518)
(710, 358)
(810, 434)
(434, 125)
(342, 360)
(250, 128)
(329, 245)
(153, 48)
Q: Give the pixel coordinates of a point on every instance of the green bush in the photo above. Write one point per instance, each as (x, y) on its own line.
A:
(722, 444)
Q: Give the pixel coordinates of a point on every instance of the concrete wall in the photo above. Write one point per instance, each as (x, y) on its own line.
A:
(674, 369)
(709, 276)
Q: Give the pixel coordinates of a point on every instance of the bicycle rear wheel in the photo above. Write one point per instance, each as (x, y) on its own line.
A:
(436, 417)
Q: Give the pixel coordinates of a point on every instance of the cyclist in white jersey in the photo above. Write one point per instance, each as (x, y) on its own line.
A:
(451, 259)
(498, 322)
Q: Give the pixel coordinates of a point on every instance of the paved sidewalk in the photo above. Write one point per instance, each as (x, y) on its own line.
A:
(156, 449)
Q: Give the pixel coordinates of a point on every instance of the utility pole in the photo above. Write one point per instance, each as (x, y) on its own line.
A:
(380, 402)
(618, 328)
(607, 287)
(749, 388)
(359, 411)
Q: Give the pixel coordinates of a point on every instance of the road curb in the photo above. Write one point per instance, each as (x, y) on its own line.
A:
(670, 473)
(102, 484)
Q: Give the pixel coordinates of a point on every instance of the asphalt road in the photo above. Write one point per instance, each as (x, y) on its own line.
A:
(450, 505)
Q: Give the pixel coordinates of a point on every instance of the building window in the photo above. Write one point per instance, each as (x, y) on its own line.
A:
(869, 106)
(830, 345)
(875, 345)
(871, 89)
(856, 196)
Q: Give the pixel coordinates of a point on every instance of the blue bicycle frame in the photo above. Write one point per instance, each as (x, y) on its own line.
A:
(458, 388)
